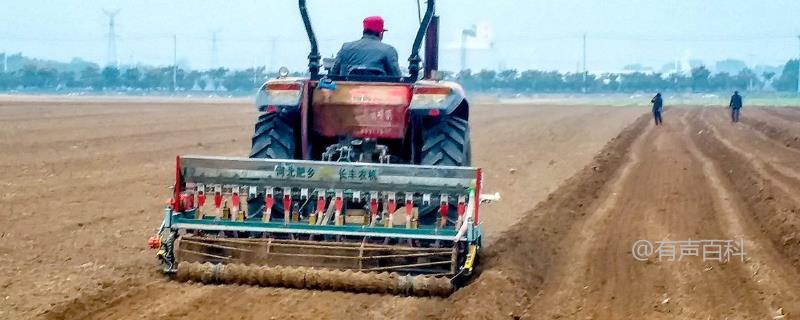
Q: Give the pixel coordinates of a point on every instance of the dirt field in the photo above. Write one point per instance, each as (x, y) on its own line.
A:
(84, 182)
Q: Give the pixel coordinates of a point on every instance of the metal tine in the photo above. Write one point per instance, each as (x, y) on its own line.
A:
(204, 254)
(201, 200)
(409, 206)
(339, 204)
(269, 201)
(391, 207)
(461, 208)
(235, 200)
(444, 207)
(287, 204)
(207, 244)
(319, 208)
(373, 207)
(218, 199)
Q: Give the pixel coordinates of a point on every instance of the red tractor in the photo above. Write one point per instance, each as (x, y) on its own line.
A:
(354, 182)
(367, 118)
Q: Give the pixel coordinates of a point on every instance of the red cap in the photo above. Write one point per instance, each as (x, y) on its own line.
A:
(374, 24)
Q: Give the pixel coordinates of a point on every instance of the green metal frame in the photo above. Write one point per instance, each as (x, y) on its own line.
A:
(186, 221)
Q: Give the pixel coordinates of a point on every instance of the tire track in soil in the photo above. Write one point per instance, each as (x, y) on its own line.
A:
(776, 281)
(772, 209)
(688, 200)
(515, 268)
(779, 127)
(660, 200)
(559, 287)
(767, 168)
(67, 110)
(787, 113)
(779, 159)
(547, 163)
(70, 170)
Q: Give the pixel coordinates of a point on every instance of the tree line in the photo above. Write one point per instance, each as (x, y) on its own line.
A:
(92, 78)
(700, 79)
(32, 74)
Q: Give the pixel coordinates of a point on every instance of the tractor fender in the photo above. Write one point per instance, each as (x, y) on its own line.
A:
(283, 94)
(435, 98)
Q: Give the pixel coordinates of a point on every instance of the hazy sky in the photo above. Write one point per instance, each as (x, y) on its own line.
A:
(543, 34)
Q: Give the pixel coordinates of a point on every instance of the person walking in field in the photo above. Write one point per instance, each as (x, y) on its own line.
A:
(736, 106)
(658, 105)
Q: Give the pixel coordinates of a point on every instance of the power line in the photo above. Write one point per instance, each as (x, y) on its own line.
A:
(507, 38)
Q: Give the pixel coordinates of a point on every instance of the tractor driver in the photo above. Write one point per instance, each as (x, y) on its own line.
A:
(368, 56)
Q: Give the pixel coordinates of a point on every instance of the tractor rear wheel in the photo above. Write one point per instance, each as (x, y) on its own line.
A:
(445, 142)
(273, 138)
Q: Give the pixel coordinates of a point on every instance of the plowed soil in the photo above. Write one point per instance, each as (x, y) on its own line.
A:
(83, 183)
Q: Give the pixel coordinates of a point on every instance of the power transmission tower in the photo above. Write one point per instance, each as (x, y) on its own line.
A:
(214, 50)
(5, 62)
(111, 50)
(471, 32)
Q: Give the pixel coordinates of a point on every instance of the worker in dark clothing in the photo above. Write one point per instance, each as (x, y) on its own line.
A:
(658, 105)
(736, 106)
(368, 56)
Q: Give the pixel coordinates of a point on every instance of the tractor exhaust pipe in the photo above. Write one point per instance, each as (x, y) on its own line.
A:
(414, 59)
(432, 48)
(313, 56)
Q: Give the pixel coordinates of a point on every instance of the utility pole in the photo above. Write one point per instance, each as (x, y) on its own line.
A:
(111, 50)
(798, 70)
(471, 32)
(214, 50)
(584, 64)
(463, 50)
(174, 62)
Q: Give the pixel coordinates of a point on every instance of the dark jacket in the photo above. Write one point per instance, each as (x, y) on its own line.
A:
(368, 52)
(736, 101)
(658, 103)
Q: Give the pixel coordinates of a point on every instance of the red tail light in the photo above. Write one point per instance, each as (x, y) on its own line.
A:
(432, 90)
(283, 86)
